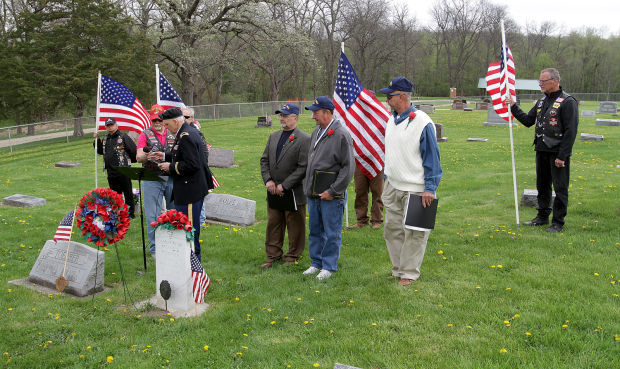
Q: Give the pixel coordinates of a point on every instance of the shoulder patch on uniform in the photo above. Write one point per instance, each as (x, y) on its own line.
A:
(184, 134)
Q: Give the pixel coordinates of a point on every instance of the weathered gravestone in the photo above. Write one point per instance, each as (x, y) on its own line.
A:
(221, 158)
(263, 122)
(530, 198)
(67, 164)
(85, 267)
(23, 201)
(588, 113)
(427, 108)
(482, 106)
(343, 366)
(439, 132)
(229, 209)
(590, 137)
(608, 122)
(607, 107)
(474, 139)
(459, 105)
(493, 119)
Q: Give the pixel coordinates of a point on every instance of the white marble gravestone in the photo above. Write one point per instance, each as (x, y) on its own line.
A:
(608, 107)
(85, 267)
(23, 201)
(588, 113)
(173, 265)
(608, 122)
(591, 137)
(230, 209)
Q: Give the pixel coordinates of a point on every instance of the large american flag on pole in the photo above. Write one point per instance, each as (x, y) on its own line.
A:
(118, 102)
(166, 94)
(499, 78)
(365, 117)
(200, 279)
(63, 232)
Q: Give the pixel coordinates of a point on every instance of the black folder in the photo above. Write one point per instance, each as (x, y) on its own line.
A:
(420, 218)
(286, 202)
(322, 181)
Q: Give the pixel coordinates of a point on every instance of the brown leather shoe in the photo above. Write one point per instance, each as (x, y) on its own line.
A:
(288, 263)
(267, 265)
(405, 282)
(376, 225)
(357, 225)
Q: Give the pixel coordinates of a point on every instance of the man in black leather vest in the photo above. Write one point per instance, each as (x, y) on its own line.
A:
(556, 117)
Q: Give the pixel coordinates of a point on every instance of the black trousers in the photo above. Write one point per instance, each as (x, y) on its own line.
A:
(122, 185)
(547, 174)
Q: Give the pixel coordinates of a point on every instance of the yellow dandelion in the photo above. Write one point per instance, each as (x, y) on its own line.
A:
(306, 322)
(528, 334)
(596, 274)
(206, 348)
(478, 287)
(316, 365)
(237, 299)
(440, 252)
(499, 265)
(374, 324)
(299, 299)
(564, 326)
(503, 351)
(468, 326)
(110, 359)
(273, 322)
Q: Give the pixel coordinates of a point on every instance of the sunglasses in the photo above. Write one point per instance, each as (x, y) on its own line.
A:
(392, 95)
(187, 116)
(156, 120)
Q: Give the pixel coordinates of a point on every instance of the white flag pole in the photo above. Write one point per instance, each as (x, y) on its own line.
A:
(97, 122)
(157, 82)
(512, 150)
(346, 203)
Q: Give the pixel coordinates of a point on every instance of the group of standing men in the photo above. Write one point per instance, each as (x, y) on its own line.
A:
(173, 149)
(318, 168)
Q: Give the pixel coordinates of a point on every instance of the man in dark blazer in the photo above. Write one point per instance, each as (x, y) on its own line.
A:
(187, 165)
(283, 167)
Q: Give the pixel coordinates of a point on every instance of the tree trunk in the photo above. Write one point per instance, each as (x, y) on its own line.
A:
(78, 131)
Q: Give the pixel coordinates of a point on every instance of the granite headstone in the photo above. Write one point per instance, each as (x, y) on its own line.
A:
(530, 198)
(608, 122)
(67, 164)
(591, 137)
(439, 132)
(493, 119)
(607, 107)
(263, 122)
(482, 106)
(458, 105)
(221, 158)
(23, 201)
(343, 366)
(230, 209)
(475, 139)
(427, 108)
(588, 113)
(85, 267)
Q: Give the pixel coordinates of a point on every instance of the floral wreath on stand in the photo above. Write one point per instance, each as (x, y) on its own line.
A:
(102, 216)
(173, 219)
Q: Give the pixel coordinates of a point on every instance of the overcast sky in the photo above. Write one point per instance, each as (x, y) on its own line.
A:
(569, 15)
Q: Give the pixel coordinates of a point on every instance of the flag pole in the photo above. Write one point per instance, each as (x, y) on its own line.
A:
(512, 150)
(346, 203)
(157, 82)
(97, 121)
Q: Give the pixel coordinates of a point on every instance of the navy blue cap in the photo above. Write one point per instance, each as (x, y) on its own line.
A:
(288, 108)
(110, 121)
(171, 114)
(321, 102)
(398, 84)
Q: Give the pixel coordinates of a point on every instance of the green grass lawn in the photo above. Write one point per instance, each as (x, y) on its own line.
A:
(491, 294)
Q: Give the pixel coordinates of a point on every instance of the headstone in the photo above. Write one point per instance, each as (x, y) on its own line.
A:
(493, 119)
(221, 158)
(482, 106)
(173, 265)
(452, 92)
(343, 366)
(23, 201)
(588, 113)
(608, 122)
(427, 108)
(67, 164)
(591, 137)
(530, 198)
(230, 209)
(607, 107)
(263, 122)
(468, 109)
(459, 105)
(439, 132)
(473, 139)
(85, 267)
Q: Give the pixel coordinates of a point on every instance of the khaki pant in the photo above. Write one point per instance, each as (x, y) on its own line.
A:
(362, 185)
(278, 221)
(405, 246)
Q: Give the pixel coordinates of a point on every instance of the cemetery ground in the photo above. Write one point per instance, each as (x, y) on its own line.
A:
(491, 294)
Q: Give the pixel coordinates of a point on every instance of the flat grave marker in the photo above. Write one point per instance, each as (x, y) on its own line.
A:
(230, 209)
(23, 201)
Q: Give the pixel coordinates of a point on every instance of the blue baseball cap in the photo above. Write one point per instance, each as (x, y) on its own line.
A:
(321, 102)
(288, 108)
(398, 84)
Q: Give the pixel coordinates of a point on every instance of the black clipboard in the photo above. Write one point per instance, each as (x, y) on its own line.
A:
(417, 217)
(286, 202)
(322, 181)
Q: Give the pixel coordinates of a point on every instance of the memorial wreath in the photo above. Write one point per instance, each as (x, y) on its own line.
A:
(173, 219)
(102, 216)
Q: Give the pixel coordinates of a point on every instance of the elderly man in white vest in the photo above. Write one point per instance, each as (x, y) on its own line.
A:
(411, 166)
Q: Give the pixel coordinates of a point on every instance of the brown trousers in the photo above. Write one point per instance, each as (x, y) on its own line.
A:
(362, 185)
(278, 221)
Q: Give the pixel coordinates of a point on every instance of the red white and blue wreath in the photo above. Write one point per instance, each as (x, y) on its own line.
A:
(102, 216)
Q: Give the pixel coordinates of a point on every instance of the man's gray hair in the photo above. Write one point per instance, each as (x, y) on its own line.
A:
(553, 73)
(191, 111)
(180, 119)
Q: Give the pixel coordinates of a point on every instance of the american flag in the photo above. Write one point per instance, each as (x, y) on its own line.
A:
(200, 279)
(63, 233)
(167, 96)
(118, 102)
(365, 117)
(499, 79)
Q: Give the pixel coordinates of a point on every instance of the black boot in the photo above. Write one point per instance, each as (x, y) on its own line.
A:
(538, 221)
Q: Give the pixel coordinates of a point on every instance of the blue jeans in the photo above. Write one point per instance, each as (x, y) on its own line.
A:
(152, 193)
(195, 220)
(325, 223)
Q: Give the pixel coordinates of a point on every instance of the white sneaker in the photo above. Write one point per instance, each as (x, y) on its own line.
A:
(311, 270)
(324, 274)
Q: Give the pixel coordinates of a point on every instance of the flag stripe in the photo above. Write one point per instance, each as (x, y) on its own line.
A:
(63, 232)
(118, 102)
(500, 79)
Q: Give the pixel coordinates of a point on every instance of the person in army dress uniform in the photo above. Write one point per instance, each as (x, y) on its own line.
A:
(118, 150)
(556, 117)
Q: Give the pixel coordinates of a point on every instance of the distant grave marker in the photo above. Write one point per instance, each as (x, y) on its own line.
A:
(439, 131)
(343, 366)
(493, 119)
(67, 164)
(482, 106)
(591, 137)
(459, 104)
(474, 139)
(221, 158)
(427, 108)
(608, 122)
(588, 113)
(607, 107)
(23, 201)
(263, 122)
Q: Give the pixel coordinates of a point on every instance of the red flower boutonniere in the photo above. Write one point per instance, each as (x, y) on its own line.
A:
(330, 132)
(291, 138)
(411, 114)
